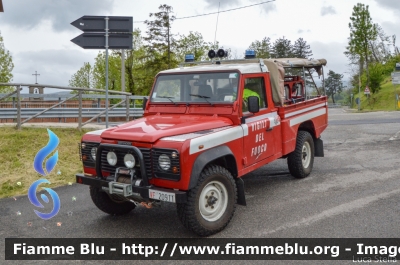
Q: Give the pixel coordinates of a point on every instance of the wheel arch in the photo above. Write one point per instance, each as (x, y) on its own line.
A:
(222, 156)
(309, 127)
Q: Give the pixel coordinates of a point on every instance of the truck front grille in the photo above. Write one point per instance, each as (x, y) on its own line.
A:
(105, 166)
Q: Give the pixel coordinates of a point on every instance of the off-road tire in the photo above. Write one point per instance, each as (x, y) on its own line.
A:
(299, 166)
(103, 201)
(211, 180)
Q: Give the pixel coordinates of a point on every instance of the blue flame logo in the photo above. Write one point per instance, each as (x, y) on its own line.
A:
(35, 201)
(45, 151)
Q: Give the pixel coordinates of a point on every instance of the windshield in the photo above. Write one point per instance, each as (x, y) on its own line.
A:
(206, 88)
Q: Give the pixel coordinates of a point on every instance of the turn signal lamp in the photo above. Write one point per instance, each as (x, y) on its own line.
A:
(189, 58)
(249, 54)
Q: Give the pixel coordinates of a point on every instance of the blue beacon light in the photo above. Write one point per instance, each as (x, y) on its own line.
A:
(249, 54)
(189, 58)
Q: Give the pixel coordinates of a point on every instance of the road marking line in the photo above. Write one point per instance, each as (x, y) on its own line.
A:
(343, 208)
(395, 136)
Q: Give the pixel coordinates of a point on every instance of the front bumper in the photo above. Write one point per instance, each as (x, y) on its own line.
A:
(142, 191)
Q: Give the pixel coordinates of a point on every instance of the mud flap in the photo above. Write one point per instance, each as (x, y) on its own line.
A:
(241, 198)
(318, 148)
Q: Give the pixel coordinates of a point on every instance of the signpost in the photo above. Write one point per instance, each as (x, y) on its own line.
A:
(396, 81)
(104, 32)
(396, 78)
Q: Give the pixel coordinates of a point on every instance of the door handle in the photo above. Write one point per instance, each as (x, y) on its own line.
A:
(269, 129)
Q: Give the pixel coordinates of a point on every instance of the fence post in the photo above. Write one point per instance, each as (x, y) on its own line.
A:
(80, 110)
(127, 103)
(18, 108)
(98, 106)
(59, 100)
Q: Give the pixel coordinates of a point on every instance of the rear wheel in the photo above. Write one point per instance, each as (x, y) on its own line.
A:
(103, 201)
(301, 160)
(211, 204)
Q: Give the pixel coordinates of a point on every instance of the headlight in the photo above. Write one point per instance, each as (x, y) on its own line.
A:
(129, 160)
(164, 162)
(112, 158)
(93, 152)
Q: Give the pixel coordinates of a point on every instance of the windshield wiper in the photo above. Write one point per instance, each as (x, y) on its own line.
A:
(169, 99)
(201, 96)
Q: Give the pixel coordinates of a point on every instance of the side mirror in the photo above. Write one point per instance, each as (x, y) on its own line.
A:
(254, 104)
(145, 102)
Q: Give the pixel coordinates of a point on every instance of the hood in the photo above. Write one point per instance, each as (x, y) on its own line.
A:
(152, 128)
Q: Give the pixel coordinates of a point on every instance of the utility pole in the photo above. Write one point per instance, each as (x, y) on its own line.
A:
(359, 87)
(106, 31)
(123, 70)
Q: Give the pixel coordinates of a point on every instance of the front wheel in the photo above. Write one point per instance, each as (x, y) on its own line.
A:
(301, 160)
(103, 201)
(211, 204)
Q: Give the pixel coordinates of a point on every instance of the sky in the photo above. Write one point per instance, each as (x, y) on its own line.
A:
(38, 33)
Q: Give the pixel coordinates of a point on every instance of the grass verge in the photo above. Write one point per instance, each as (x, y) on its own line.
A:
(382, 100)
(18, 150)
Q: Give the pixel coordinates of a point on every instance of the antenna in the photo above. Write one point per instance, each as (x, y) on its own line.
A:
(216, 26)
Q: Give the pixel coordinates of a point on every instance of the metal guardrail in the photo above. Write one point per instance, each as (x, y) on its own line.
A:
(11, 113)
(334, 105)
(52, 112)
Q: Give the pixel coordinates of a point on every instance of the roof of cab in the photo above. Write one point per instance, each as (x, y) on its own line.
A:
(246, 66)
(243, 68)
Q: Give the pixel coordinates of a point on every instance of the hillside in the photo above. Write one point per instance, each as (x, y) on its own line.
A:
(382, 100)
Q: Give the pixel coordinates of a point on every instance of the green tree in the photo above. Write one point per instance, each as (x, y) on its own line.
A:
(114, 71)
(194, 44)
(282, 48)
(6, 67)
(362, 31)
(262, 48)
(377, 75)
(138, 81)
(333, 84)
(380, 47)
(83, 77)
(301, 49)
(159, 37)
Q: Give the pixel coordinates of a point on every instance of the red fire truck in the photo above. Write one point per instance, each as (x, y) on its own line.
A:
(205, 126)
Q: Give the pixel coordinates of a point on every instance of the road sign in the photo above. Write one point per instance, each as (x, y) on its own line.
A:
(119, 28)
(366, 91)
(103, 32)
(98, 24)
(397, 66)
(396, 78)
(98, 41)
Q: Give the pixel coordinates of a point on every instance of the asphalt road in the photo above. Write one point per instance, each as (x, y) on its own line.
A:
(352, 192)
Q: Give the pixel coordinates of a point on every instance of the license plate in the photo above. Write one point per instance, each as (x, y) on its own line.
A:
(162, 196)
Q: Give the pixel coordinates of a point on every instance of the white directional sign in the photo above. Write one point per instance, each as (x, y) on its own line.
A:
(396, 78)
